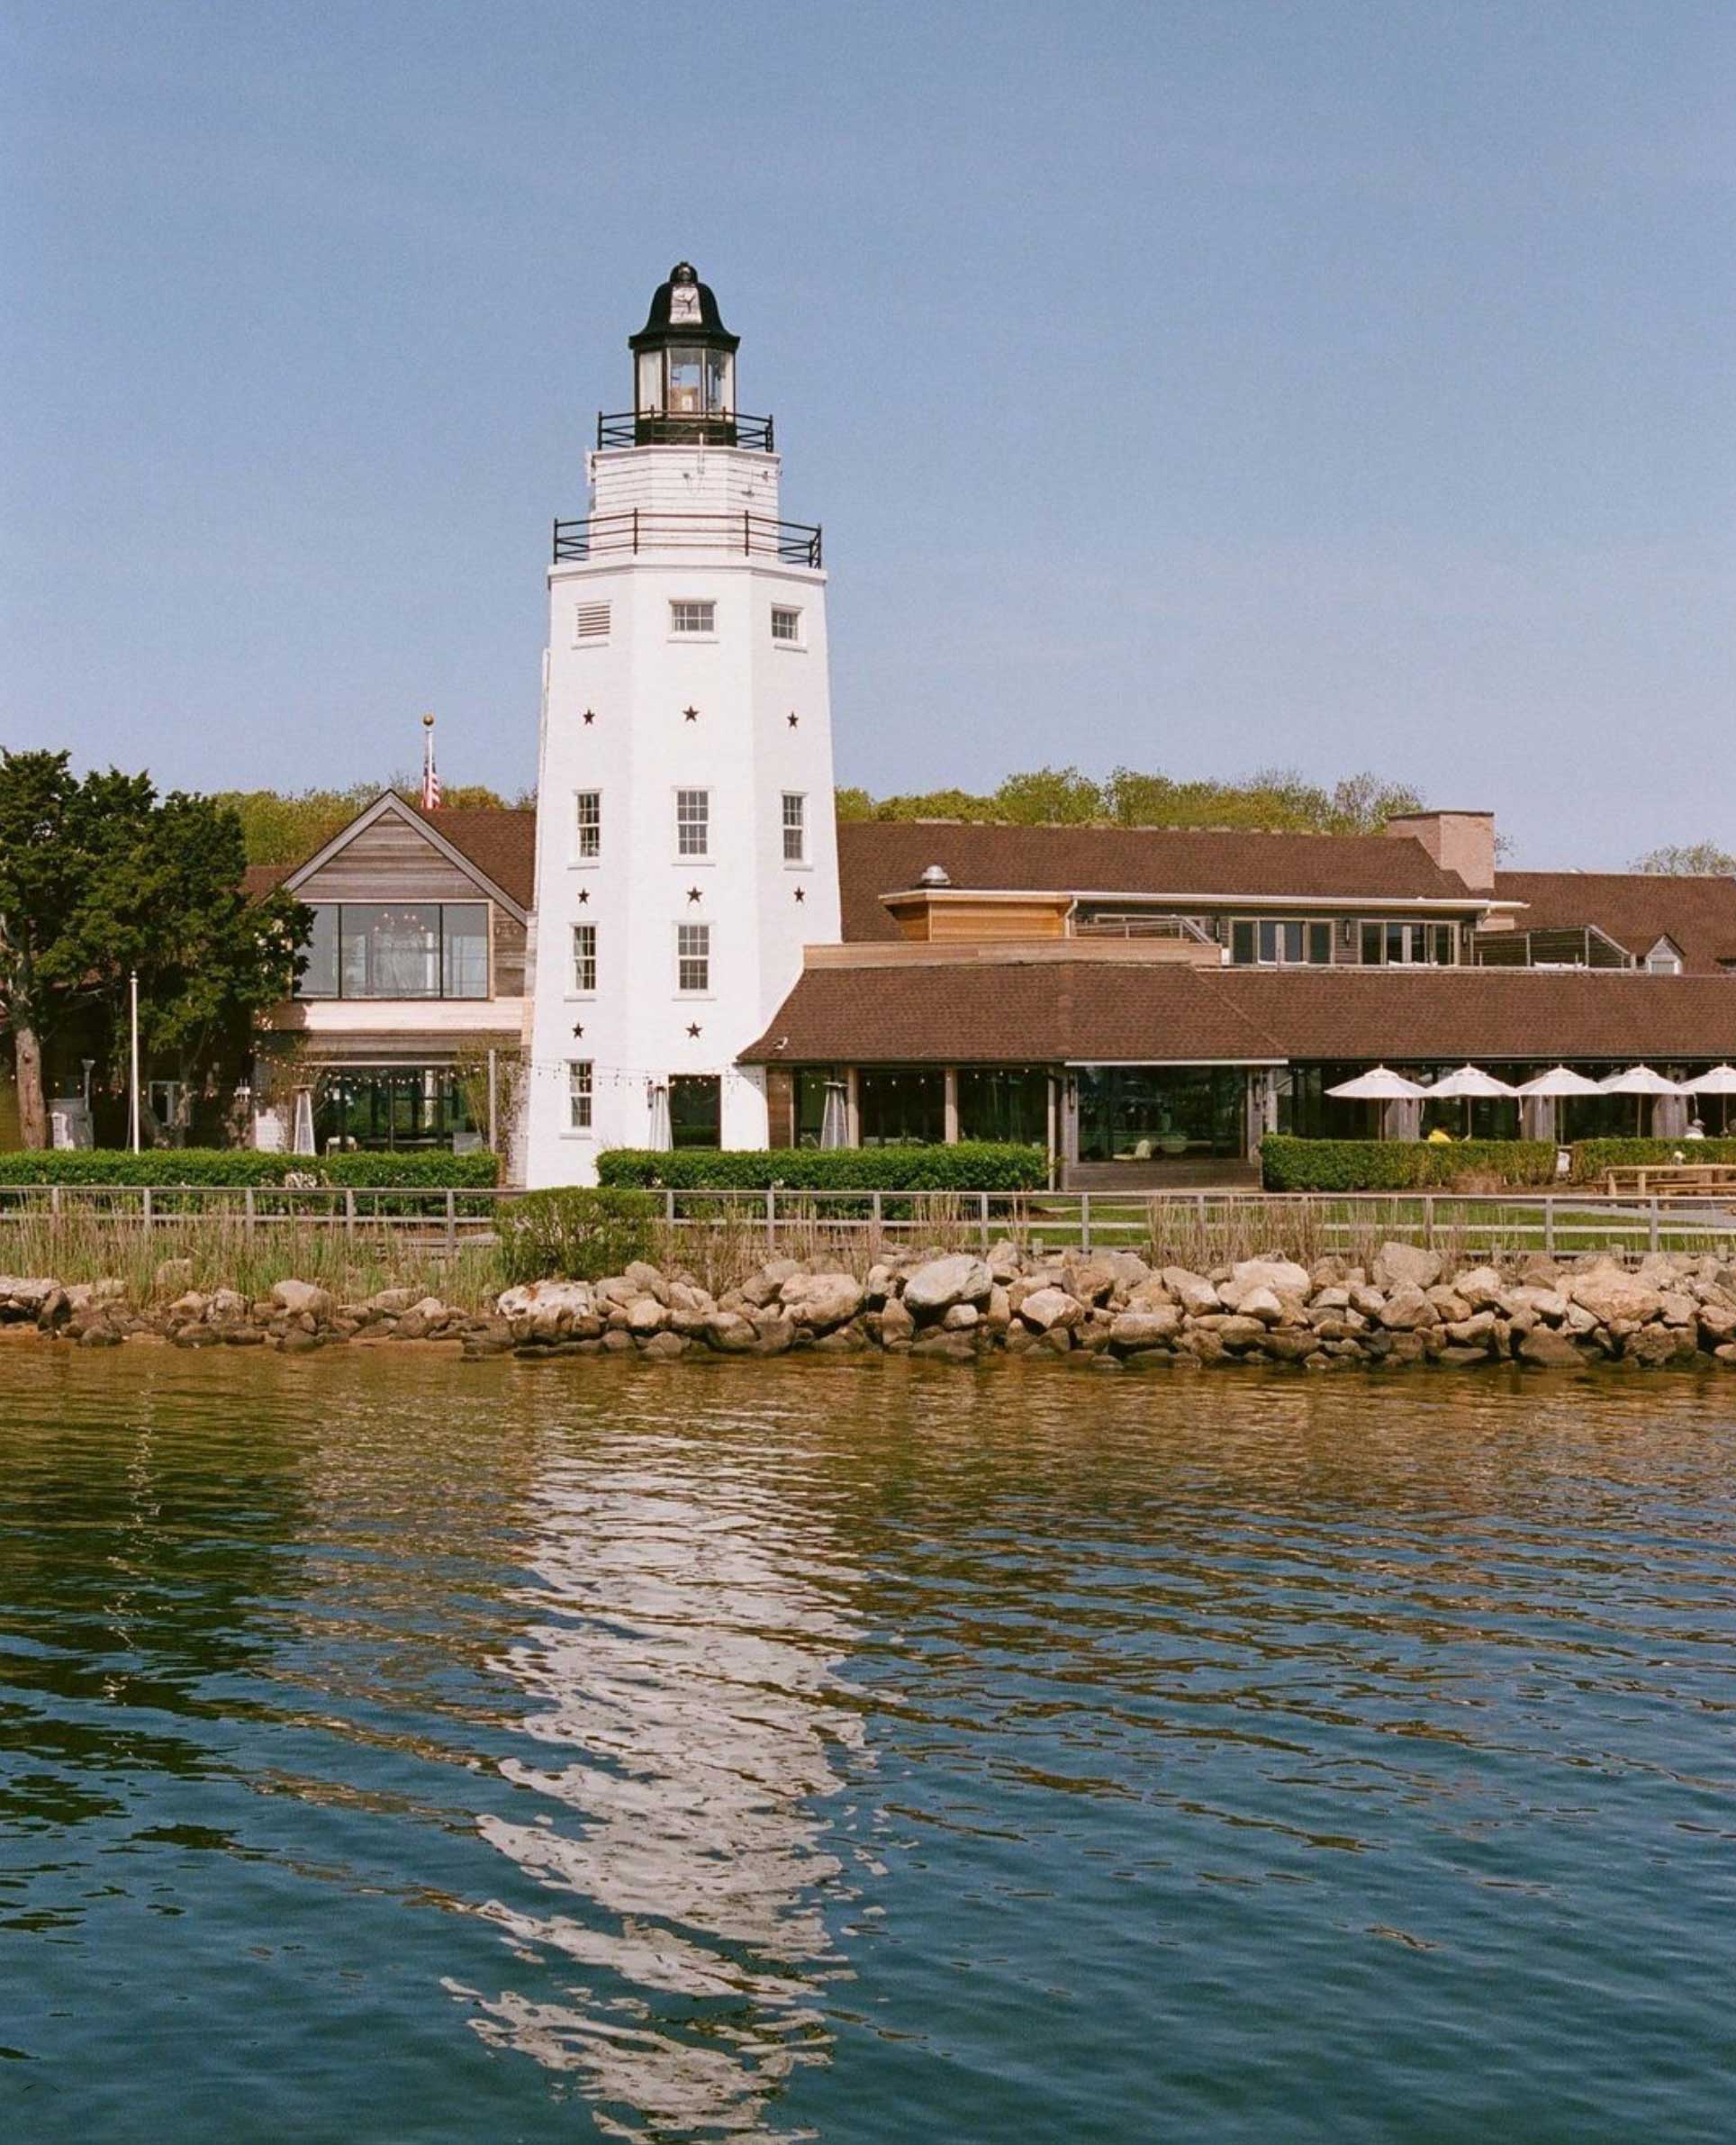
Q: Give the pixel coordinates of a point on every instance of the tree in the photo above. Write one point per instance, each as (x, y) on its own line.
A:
(286, 827)
(1687, 861)
(99, 877)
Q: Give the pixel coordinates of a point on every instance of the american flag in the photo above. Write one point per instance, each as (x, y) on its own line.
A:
(430, 773)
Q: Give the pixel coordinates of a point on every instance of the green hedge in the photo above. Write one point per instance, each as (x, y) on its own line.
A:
(1289, 1164)
(576, 1235)
(973, 1165)
(244, 1167)
(1593, 1157)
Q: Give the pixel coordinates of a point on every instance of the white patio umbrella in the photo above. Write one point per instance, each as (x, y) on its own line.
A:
(834, 1124)
(1467, 1082)
(1559, 1081)
(1720, 1082)
(1639, 1082)
(660, 1138)
(301, 1138)
(1382, 1084)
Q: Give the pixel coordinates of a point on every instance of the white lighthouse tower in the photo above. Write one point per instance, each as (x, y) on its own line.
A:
(685, 841)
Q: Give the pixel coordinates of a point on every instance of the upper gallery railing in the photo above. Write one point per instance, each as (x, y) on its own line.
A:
(647, 528)
(683, 427)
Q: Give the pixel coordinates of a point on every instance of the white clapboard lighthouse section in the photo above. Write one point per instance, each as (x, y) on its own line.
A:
(686, 849)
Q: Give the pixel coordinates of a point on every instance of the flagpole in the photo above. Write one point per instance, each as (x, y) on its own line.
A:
(430, 777)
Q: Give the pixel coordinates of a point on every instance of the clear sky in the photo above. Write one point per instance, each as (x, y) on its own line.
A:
(1203, 384)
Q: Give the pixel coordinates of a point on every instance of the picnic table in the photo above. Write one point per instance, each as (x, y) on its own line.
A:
(1672, 1180)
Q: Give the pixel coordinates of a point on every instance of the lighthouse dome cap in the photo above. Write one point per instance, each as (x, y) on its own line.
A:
(682, 317)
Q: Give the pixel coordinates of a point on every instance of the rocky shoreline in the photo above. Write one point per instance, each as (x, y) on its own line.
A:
(1105, 1308)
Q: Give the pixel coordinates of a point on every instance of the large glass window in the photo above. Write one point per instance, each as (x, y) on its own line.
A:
(693, 823)
(795, 826)
(1409, 946)
(693, 617)
(685, 382)
(588, 811)
(397, 949)
(1160, 1113)
(585, 959)
(1280, 942)
(693, 957)
(896, 1108)
(578, 1094)
(400, 1106)
(1004, 1104)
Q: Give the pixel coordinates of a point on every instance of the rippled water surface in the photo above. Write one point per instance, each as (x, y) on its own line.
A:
(861, 1752)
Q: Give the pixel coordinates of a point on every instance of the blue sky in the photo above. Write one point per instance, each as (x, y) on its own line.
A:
(1197, 386)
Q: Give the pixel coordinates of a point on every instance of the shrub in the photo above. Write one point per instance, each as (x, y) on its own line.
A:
(973, 1165)
(573, 1234)
(1593, 1158)
(1290, 1165)
(243, 1166)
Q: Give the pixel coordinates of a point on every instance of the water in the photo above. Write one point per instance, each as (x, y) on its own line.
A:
(861, 1752)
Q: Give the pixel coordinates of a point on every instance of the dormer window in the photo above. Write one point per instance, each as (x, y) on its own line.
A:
(1665, 958)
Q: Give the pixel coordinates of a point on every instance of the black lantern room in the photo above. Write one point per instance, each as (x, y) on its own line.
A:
(683, 368)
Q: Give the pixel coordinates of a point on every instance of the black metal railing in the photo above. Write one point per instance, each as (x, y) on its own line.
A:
(683, 427)
(647, 528)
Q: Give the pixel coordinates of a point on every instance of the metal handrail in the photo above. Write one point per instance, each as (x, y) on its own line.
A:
(684, 427)
(650, 529)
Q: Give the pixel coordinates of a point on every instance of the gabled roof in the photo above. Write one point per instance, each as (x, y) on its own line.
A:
(880, 856)
(1635, 909)
(1012, 1011)
(497, 847)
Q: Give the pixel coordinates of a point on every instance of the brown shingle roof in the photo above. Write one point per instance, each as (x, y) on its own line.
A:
(881, 856)
(1635, 909)
(1012, 1012)
(502, 844)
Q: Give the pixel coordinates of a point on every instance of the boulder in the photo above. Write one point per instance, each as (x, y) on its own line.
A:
(1406, 1309)
(896, 1325)
(960, 1318)
(1283, 1277)
(821, 1300)
(302, 1299)
(1262, 1304)
(1192, 1290)
(729, 1332)
(1546, 1350)
(1153, 1327)
(938, 1284)
(1612, 1295)
(1091, 1280)
(1481, 1288)
(1045, 1310)
(1406, 1265)
(646, 1315)
(647, 1280)
(664, 1344)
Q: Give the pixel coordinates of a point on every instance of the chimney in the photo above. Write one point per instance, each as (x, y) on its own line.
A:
(1461, 842)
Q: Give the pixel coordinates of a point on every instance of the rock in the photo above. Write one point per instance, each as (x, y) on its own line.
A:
(821, 1300)
(1260, 1303)
(773, 1337)
(1481, 1288)
(1546, 1350)
(1044, 1310)
(730, 1333)
(170, 1273)
(1467, 1332)
(951, 1347)
(190, 1306)
(938, 1284)
(1656, 1345)
(1406, 1309)
(1192, 1290)
(647, 1314)
(1717, 1324)
(1283, 1277)
(1679, 1309)
(896, 1324)
(21, 1298)
(227, 1307)
(1406, 1265)
(1369, 1302)
(1292, 1346)
(302, 1299)
(664, 1346)
(542, 1310)
(1612, 1295)
(1239, 1334)
(645, 1280)
(1154, 1326)
(997, 1312)
(960, 1318)
(389, 1302)
(298, 1341)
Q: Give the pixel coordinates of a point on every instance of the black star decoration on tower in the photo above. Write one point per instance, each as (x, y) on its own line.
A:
(690, 714)
(693, 1028)
(801, 893)
(584, 896)
(590, 717)
(693, 894)
(578, 1030)
(793, 719)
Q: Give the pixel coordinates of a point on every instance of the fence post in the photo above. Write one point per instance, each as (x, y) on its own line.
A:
(147, 1208)
(349, 1212)
(982, 1210)
(248, 1213)
(880, 1226)
(1085, 1221)
(54, 1201)
(1428, 1221)
(451, 1219)
(1548, 1224)
(669, 1207)
(770, 1221)
(1652, 1226)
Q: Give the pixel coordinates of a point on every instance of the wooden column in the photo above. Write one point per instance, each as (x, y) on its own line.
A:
(950, 1105)
(851, 1106)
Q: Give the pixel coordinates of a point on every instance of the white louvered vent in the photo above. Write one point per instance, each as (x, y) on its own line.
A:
(590, 622)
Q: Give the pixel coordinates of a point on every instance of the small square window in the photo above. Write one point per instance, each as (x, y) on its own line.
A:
(585, 959)
(786, 624)
(578, 1094)
(693, 823)
(693, 956)
(590, 622)
(688, 616)
(795, 827)
(589, 810)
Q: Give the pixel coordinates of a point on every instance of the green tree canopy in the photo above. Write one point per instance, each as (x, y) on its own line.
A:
(1686, 860)
(1273, 798)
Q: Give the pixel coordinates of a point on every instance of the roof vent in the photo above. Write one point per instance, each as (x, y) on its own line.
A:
(937, 874)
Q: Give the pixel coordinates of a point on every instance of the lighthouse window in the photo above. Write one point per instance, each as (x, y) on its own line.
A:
(589, 825)
(795, 827)
(693, 617)
(578, 1094)
(684, 382)
(585, 959)
(693, 823)
(693, 956)
(786, 624)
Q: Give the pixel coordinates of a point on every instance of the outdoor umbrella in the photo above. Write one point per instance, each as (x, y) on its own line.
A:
(834, 1124)
(1720, 1082)
(1639, 1082)
(1469, 1080)
(1559, 1083)
(660, 1138)
(1382, 1085)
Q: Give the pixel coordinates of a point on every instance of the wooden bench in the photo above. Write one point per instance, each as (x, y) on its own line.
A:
(1672, 1180)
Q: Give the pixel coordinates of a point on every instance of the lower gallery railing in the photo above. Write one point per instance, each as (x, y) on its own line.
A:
(1207, 1226)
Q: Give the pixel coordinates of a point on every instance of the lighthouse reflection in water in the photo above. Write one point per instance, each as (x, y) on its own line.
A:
(680, 1659)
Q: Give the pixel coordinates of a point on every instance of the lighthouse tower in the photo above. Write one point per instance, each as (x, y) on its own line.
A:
(685, 842)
